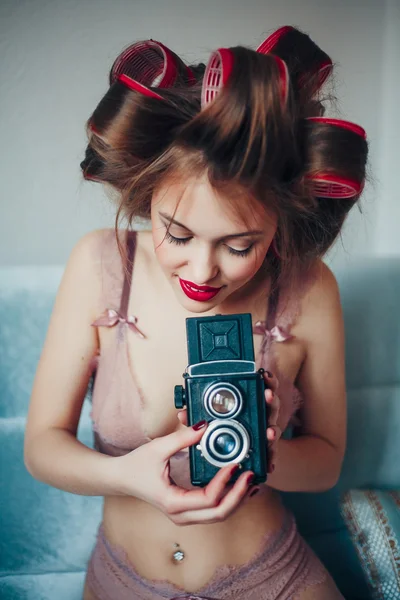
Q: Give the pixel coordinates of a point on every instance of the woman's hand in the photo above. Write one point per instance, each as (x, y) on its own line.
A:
(274, 432)
(144, 473)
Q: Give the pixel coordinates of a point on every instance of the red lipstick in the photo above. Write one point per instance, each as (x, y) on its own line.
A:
(200, 293)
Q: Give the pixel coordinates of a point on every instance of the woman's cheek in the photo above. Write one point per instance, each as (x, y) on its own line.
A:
(246, 268)
(168, 255)
(241, 270)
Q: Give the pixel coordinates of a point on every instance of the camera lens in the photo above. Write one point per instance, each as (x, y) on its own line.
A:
(224, 444)
(225, 441)
(223, 400)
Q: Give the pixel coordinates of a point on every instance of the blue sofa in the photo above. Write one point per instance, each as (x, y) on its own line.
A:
(46, 535)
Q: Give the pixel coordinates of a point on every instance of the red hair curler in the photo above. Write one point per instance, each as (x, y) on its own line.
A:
(284, 75)
(270, 42)
(218, 71)
(322, 70)
(151, 64)
(138, 87)
(340, 123)
(329, 185)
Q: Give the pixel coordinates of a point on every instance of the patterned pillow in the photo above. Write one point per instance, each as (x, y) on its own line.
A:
(373, 520)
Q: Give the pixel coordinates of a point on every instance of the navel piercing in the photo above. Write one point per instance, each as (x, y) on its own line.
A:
(178, 555)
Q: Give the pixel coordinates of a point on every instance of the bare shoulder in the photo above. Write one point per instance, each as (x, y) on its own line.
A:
(321, 303)
(324, 287)
(89, 247)
(94, 253)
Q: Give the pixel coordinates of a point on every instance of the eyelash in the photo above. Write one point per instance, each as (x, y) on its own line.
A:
(180, 241)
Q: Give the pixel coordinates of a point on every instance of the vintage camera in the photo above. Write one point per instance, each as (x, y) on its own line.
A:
(223, 387)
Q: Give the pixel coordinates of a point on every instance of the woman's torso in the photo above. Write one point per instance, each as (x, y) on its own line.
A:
(133, 403)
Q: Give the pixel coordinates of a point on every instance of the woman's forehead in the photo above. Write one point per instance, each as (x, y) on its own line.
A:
(195, 200)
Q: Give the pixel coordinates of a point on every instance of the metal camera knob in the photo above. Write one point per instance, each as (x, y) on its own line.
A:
(179, 397)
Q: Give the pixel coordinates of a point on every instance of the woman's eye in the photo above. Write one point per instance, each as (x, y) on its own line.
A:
(179, 241)
(175, 240)
(244, 252)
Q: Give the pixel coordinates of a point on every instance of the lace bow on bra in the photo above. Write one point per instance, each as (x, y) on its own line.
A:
(111, 317)
(275, 334)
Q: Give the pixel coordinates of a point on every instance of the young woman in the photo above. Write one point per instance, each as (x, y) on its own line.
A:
(245, 187)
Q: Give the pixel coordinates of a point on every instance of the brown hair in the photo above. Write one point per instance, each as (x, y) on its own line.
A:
(246, 138)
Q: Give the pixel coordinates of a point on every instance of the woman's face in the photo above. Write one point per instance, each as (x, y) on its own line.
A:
(207, 252)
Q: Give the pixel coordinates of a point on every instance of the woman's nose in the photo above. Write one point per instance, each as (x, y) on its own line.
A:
(204, 267)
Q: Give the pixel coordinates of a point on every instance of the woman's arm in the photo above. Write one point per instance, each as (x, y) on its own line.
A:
(312, 461)
(52, 453)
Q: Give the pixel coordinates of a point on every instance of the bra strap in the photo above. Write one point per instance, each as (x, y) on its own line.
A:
(131, 246)
(272, 309)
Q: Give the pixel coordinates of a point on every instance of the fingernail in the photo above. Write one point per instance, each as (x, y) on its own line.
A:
(235, 469)
(199, 425)
(250, 479)
(254, 492)
(272, 469)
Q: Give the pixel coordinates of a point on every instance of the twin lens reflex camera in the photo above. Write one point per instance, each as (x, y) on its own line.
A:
(222, 386)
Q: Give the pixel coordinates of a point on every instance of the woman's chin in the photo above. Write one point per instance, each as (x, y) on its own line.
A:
(197, 307)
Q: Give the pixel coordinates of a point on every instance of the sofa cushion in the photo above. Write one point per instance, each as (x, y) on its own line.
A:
(42, 529)
(26, 300)
(373, 519)
(370, 292)
(373, 451)
(43, 586)
(321, 523)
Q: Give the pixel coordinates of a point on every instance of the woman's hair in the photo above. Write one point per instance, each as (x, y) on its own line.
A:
(251, 138)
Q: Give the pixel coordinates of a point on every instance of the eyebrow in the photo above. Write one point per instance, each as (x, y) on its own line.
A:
(225, 237)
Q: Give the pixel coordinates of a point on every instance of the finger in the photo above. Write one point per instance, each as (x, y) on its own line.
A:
(271, 464)
(184, 437)
(222, 481)
(271, 460)
(182, 416)
(226, 507)
(271, 381)
(274, 403)
(272, 434)
(181, 500)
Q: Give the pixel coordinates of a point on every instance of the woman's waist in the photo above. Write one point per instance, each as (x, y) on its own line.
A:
(141, 530)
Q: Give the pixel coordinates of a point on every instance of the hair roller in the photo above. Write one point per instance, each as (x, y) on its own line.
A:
(329, 185)
(138, 87)
(284, 77)
(336, 169)
(152, 64)
(219, 69)
(340, 123)
(307, 63)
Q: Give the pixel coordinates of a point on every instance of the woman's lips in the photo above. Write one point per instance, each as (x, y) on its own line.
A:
(200, 293)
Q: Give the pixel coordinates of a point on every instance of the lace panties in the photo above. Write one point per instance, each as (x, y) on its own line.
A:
(283, 568)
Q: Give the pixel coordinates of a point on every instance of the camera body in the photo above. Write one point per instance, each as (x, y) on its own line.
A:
(222, 386)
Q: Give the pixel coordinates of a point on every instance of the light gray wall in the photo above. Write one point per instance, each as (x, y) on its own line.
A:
(55, 57)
